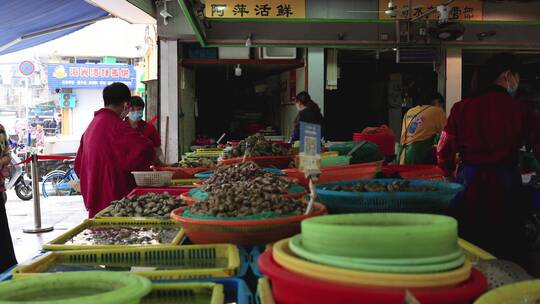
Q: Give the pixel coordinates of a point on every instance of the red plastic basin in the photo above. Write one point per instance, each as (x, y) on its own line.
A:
(292, 288)
(242, 232)
(338, 174)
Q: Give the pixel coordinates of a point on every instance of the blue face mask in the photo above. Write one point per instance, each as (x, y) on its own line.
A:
(135, 116)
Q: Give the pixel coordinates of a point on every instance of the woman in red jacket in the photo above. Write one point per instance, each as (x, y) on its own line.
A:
(488, 130)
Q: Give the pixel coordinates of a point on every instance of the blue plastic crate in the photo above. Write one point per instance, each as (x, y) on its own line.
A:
(339, 202)
(244, 262)
(6, 275)
(254, 260)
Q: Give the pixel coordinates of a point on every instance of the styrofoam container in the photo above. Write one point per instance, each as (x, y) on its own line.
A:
(233, 53)
(279, 53)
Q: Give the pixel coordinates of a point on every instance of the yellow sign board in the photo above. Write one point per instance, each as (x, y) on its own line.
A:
(457, 10)
(260, 9)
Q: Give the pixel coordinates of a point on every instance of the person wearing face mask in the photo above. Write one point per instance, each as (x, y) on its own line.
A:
(135, 120)
(109, 151)
(488, 130)
(308, 111)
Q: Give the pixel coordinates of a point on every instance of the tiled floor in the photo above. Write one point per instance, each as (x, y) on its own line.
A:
(62, 212)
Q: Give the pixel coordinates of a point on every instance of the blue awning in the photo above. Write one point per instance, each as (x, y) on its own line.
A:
(25, 23)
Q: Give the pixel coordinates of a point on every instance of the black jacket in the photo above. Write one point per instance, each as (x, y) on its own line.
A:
(309, 115)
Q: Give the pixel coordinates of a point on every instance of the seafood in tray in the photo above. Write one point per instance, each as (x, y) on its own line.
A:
(154, 205)
(257, 145)
(124, 236)
(396, 186)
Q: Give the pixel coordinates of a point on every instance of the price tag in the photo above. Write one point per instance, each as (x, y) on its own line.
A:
(310, 164)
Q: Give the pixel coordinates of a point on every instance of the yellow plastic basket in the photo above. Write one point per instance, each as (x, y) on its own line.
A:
(209, 150)
(204, 261)
(264, 291)
(527, 292)
(185, 293)
(474, 253)
(286, 258)
(59, 243)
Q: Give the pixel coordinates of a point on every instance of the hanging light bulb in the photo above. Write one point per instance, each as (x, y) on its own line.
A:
(238, 71)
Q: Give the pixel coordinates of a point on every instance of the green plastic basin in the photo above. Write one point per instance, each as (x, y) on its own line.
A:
(381, 235)
(415, 265)
(86, 287)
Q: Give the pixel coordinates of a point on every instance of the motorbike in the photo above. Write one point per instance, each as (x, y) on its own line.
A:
(19, 180)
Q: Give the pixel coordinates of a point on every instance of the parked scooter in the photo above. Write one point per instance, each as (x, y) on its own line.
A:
(19, 180)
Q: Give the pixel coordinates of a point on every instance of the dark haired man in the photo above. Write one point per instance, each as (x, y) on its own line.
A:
(109, 151)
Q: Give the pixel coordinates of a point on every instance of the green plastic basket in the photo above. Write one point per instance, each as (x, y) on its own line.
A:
(87, 287)
(184, 293)
(59, 243)
(196, 261)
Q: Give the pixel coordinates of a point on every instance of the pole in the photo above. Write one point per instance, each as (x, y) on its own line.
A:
(166, 138)
(37, 208)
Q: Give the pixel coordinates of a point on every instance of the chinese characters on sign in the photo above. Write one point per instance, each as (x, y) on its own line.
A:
(89, 76)
(457, 10)
(255, 9)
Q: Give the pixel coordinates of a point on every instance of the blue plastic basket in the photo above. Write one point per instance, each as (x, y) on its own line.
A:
(236, 290)
(245, 262)
(421, 202)
(7, 274)
(208, 174)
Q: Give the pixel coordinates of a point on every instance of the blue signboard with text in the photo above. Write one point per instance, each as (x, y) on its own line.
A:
(89, 76)
(310, 138)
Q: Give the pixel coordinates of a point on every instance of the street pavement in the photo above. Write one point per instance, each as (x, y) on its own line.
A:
(63, 212)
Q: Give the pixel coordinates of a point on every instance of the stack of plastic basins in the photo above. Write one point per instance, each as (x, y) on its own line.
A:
(372, 258)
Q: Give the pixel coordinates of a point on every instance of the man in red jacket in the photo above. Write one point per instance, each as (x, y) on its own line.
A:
(109, 151)
(488, 130)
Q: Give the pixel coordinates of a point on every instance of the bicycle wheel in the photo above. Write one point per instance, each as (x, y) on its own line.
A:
(54, 172)
(55, 184)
